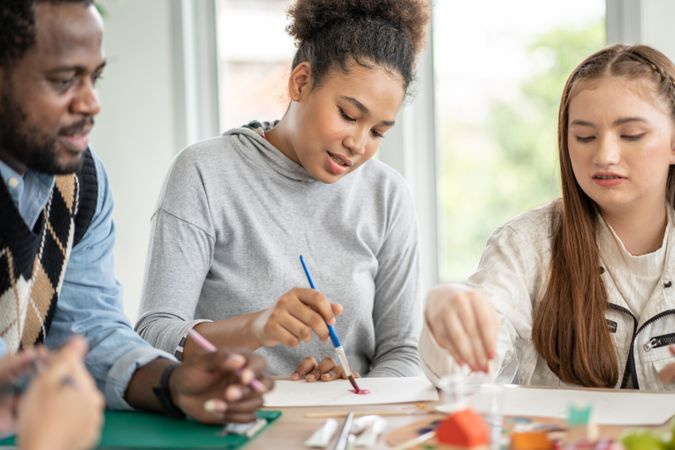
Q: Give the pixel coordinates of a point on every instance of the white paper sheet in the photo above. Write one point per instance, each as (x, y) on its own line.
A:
(609, 407)
(382, 390)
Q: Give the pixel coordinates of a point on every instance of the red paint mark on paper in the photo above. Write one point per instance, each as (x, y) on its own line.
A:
(360, 391)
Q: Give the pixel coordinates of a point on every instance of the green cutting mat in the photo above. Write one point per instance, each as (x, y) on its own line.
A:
(137, 430)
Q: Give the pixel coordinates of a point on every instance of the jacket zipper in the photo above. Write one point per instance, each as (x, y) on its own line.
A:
(630, 363)
(659, 341)
(631, 357)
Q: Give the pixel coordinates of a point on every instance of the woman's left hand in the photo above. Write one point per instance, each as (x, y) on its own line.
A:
(327, 370)
(667, 374)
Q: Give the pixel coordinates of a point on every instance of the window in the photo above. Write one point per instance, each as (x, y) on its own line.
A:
(254, 57)
(499, 69)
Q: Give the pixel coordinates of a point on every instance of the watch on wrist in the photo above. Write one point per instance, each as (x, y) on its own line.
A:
(163, 394)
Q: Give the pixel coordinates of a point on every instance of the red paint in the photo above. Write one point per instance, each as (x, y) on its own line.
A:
(360, 391)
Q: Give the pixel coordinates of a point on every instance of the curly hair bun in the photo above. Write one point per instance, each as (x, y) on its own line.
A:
(408, 16)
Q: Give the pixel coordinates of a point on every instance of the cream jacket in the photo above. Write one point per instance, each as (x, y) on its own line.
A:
(512, 274)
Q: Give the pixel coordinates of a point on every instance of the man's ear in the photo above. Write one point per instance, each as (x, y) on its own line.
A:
(300, 81)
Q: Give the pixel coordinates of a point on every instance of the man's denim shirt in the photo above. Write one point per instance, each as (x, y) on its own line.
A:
(90, 302)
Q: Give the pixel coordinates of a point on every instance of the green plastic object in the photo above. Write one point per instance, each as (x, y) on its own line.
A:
(579, 415)
(137, 430)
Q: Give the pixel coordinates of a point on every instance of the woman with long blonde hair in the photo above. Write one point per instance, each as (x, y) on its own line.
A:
(580, 291)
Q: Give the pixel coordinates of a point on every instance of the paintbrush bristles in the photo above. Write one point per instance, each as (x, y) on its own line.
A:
(353, 382)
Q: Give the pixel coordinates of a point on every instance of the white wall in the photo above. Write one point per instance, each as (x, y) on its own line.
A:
(135, 133)
(658, 20)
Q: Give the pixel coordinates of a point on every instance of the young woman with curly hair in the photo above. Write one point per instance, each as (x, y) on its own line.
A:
(237, 210)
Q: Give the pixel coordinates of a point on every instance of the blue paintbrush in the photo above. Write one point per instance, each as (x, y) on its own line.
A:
(342, 357)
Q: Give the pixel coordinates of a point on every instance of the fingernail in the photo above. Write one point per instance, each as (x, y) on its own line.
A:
(326, 376)
(332, 321)
(233, 393)
(235, 358)
(460, 363)
(246, 376)
(310, 377)
(215, 406)
(295, 376)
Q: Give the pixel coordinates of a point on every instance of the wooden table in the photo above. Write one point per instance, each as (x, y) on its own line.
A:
(292, 429)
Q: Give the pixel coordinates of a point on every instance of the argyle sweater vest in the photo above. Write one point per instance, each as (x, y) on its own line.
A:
(33, 262)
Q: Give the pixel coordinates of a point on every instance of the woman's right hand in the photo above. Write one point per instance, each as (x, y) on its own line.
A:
(294, 317)
(464, 323)
(62, 408)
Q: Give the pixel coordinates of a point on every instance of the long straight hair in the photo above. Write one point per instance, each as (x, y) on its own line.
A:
(569, 327)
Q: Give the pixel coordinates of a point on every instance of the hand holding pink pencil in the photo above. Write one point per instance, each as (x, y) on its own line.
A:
(204, 343)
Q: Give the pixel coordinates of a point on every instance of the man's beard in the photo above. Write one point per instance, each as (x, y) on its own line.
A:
(30, 146)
